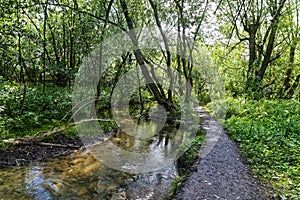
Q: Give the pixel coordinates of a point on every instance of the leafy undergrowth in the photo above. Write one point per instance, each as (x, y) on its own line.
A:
(40, 110)
(268, 134)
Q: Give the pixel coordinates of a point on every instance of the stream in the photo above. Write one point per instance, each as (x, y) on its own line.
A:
(81, 176)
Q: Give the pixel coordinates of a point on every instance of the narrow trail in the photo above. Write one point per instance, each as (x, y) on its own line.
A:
(221, 172)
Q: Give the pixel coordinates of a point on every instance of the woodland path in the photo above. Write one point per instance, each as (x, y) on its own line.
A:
(221, 172)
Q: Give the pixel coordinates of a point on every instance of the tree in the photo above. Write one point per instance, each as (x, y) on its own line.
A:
(257, 23)
(291, 26)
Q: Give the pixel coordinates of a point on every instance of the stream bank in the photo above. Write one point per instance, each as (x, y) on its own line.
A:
(21, 154)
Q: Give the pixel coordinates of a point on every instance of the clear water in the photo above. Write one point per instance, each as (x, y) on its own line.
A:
(82, 176)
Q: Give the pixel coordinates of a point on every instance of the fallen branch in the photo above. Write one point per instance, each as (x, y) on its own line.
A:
(20, 141)
(59, 145)
(77, 108)
(38, 139)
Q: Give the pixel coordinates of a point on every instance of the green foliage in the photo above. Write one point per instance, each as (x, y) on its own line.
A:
(41, 108)
(176, 184)
(178, 122)
(187, 159)
(268, 135)
(109, 126)
(232, 66)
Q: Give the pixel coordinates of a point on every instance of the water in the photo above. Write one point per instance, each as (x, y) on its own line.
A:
(82, 176)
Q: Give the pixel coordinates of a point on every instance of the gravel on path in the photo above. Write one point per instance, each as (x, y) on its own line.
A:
(221, 172)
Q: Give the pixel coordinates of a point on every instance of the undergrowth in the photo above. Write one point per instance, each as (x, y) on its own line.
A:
(268, 134)
(41, 109)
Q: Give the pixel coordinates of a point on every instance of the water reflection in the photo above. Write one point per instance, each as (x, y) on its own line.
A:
(80, 175)
(141, 148)
(36, 184)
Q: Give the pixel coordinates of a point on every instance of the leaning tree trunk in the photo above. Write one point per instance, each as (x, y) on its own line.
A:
(140, 58)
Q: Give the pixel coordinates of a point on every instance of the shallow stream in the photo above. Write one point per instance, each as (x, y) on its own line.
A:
(82, 176)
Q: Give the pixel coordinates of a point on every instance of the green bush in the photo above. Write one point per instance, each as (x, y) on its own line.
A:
(41, 108)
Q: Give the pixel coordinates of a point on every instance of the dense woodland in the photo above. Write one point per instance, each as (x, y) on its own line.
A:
(255, 44)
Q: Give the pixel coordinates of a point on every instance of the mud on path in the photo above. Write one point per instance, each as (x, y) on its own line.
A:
(221, 172)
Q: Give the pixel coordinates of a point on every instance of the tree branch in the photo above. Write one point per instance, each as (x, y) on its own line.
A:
(38, 139)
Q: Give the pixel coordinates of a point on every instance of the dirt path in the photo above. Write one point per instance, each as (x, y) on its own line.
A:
(221, 172)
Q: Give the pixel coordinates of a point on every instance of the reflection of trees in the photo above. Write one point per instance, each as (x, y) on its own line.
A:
(128, 138)
(123, 140)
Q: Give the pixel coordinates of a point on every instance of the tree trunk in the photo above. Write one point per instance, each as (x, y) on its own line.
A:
(141, 61)
(288, 74)
(253, 59)
(291, 91)
(44, 47)
(98, 92)
(166, 44)
(268, 54)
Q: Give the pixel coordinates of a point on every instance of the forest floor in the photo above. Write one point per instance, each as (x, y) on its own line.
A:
(20, 154)
(221, 171)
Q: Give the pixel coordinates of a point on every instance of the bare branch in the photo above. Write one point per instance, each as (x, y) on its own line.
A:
(37, 139)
